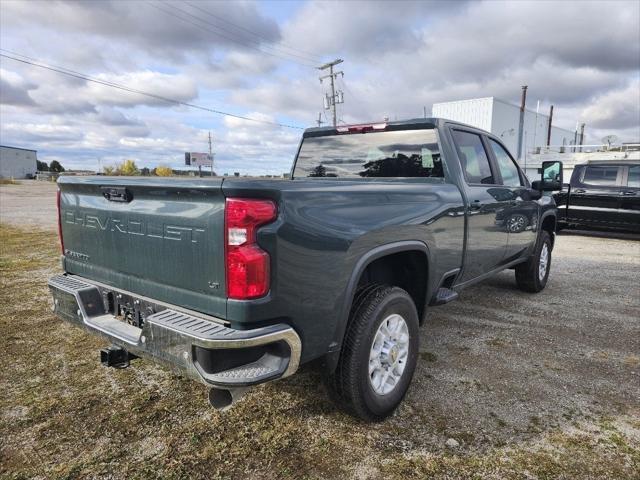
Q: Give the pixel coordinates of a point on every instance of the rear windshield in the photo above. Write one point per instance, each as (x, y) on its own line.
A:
(400, 153)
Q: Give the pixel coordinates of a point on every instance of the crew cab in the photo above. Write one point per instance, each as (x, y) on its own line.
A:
(238, 281)
(602, 194)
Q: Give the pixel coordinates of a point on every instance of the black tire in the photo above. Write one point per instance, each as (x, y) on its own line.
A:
(350, 385)
(528, 275)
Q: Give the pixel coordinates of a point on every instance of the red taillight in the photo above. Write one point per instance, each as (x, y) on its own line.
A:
(247, 264)
(60, 222)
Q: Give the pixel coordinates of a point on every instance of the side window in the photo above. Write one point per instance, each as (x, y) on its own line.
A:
(634, 177)
(600, 175)
(506, 164)
(473, 158)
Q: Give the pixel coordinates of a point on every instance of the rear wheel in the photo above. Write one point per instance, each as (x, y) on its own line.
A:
(379, 353)
(532, 275)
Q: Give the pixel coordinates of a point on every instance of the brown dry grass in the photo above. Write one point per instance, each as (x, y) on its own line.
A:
(62, 415)
(8, 181)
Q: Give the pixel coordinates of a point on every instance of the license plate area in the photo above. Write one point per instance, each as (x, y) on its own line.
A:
(127, 308)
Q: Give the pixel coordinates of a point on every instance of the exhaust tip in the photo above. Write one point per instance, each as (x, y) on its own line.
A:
(222, 398)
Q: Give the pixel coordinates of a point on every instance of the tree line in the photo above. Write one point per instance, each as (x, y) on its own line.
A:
(54, 166)
(129, 168)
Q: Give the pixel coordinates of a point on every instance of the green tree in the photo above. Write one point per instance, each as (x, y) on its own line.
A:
(55, 166)
(42, 166)
(109, 170)
(163, 171)
(128, 168)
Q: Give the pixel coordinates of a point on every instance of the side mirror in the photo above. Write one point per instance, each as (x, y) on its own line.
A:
(551, 177)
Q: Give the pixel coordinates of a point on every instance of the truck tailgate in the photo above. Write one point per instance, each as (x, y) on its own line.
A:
(157, 237)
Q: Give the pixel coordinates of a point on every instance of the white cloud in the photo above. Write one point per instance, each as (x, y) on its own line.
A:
(399, 56)
(616, 109)
(176, 87)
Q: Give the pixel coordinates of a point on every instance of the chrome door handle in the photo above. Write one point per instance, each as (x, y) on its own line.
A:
(579, 190)
(628, 192)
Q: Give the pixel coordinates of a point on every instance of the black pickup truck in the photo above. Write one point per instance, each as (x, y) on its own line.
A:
(602, 195)
(236, 282)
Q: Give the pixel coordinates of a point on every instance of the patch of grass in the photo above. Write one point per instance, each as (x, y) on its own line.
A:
(562, 456)
(500, 422)
(632, 360)
(8, 181)
(497, 342)
(428, 356)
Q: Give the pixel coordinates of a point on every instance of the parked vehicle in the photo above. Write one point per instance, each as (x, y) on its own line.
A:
(602, 194)
(236, 282)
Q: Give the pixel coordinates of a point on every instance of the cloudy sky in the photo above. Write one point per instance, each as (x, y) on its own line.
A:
(257, 59)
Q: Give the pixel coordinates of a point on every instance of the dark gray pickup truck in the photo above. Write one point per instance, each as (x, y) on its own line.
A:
(236, 282)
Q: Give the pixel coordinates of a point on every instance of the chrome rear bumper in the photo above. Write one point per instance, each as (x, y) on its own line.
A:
(192, 344)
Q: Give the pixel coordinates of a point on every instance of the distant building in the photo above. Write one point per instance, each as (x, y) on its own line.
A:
(503, 120)
(17, 162)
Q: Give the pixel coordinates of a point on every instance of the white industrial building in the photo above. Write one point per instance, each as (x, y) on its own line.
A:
(17, 162)
(503, 120)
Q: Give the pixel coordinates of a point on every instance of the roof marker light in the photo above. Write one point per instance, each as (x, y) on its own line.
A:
(361, 128)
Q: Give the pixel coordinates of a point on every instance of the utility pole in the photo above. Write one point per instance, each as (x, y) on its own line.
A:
(335, 98)
(320, 122)
(424, 111)
(581, 136)
(211, 153)
(521, 127)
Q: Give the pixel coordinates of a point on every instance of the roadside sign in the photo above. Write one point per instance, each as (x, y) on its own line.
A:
(195, 159)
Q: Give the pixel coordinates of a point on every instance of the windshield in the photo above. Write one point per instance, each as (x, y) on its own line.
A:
(400, 153)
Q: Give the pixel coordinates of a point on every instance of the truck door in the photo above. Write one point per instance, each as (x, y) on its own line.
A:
(520, 217)
(486, 241)
(630, 198)
(595, 197)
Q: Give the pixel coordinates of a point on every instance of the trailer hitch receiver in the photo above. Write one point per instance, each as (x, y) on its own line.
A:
(116, 357)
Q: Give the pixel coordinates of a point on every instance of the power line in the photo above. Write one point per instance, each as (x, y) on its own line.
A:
(232, 39)
(355, 97)
(82, 76)
(306, 55)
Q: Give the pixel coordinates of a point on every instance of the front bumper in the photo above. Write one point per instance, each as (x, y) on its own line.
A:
(203, 348)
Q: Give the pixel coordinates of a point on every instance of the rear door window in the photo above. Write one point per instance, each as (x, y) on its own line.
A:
(473, 158)
(602, 176)
(506, 164)
(634, 177)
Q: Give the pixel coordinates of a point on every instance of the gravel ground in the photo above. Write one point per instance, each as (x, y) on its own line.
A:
(512, 363)
(503, 376)
(31, 203)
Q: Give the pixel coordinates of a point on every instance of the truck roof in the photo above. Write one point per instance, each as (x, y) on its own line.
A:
(391, 125)
(616, 162)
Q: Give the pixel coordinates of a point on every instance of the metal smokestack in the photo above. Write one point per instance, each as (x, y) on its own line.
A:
(549, 127)
(521, 126)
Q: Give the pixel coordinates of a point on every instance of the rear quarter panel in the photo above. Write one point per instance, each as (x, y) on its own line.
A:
(325, 227)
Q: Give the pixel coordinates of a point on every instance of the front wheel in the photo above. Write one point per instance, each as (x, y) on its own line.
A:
(379, 353)
(532, 275)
